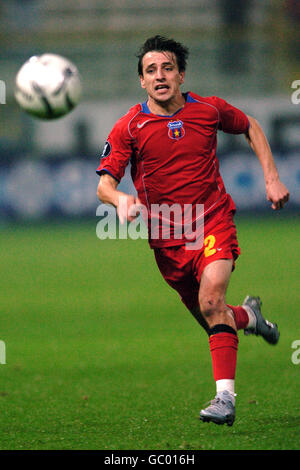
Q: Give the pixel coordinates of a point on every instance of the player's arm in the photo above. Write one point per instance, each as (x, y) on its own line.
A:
(126, 204)
(276, 191)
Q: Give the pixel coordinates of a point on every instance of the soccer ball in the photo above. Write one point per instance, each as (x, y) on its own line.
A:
(48, 86)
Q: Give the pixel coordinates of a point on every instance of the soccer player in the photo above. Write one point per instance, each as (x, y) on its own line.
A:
(170, 141)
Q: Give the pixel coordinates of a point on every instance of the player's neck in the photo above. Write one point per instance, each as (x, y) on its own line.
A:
(166, 108)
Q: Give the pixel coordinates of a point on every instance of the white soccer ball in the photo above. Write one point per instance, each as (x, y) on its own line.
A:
(48, 86)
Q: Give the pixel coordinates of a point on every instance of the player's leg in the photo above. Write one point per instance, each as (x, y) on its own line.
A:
(223, 340)
(259, 326)
(175, 265)
(212, 291)
(248, 317)
(222, 332)
(243, 318)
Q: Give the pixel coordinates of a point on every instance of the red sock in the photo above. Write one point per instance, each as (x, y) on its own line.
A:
(223, 348)
(240, 316)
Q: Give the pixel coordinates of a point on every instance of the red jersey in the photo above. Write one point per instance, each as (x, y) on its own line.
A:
(173, 158)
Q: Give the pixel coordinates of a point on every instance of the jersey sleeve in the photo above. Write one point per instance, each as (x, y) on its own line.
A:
(117, 151)
(231, 119)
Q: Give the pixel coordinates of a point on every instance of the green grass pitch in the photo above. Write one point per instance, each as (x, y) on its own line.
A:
(101, 354)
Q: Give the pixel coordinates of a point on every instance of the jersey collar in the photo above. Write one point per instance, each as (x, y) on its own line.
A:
(146, 110)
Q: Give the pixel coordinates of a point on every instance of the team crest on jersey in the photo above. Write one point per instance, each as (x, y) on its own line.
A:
(176, 130)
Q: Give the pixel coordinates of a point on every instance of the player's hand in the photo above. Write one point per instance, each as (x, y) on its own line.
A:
(128, 208)
(277, 193)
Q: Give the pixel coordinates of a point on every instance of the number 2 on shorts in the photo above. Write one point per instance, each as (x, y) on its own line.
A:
(209, 243)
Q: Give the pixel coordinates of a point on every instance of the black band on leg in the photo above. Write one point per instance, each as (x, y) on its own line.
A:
(221, 328)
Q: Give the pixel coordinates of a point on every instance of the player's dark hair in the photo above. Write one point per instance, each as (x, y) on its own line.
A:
(162, 44)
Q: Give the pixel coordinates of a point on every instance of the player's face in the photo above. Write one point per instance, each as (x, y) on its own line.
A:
(161, 77)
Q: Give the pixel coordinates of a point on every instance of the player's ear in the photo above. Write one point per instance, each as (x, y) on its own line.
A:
(182, 77)
(142, 81)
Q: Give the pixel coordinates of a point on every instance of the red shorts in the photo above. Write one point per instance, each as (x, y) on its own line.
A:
(182, 268)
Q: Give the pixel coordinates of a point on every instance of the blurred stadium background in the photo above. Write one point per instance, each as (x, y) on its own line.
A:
(246, 52)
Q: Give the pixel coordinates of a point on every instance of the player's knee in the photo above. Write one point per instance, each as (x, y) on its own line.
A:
(211, 306)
